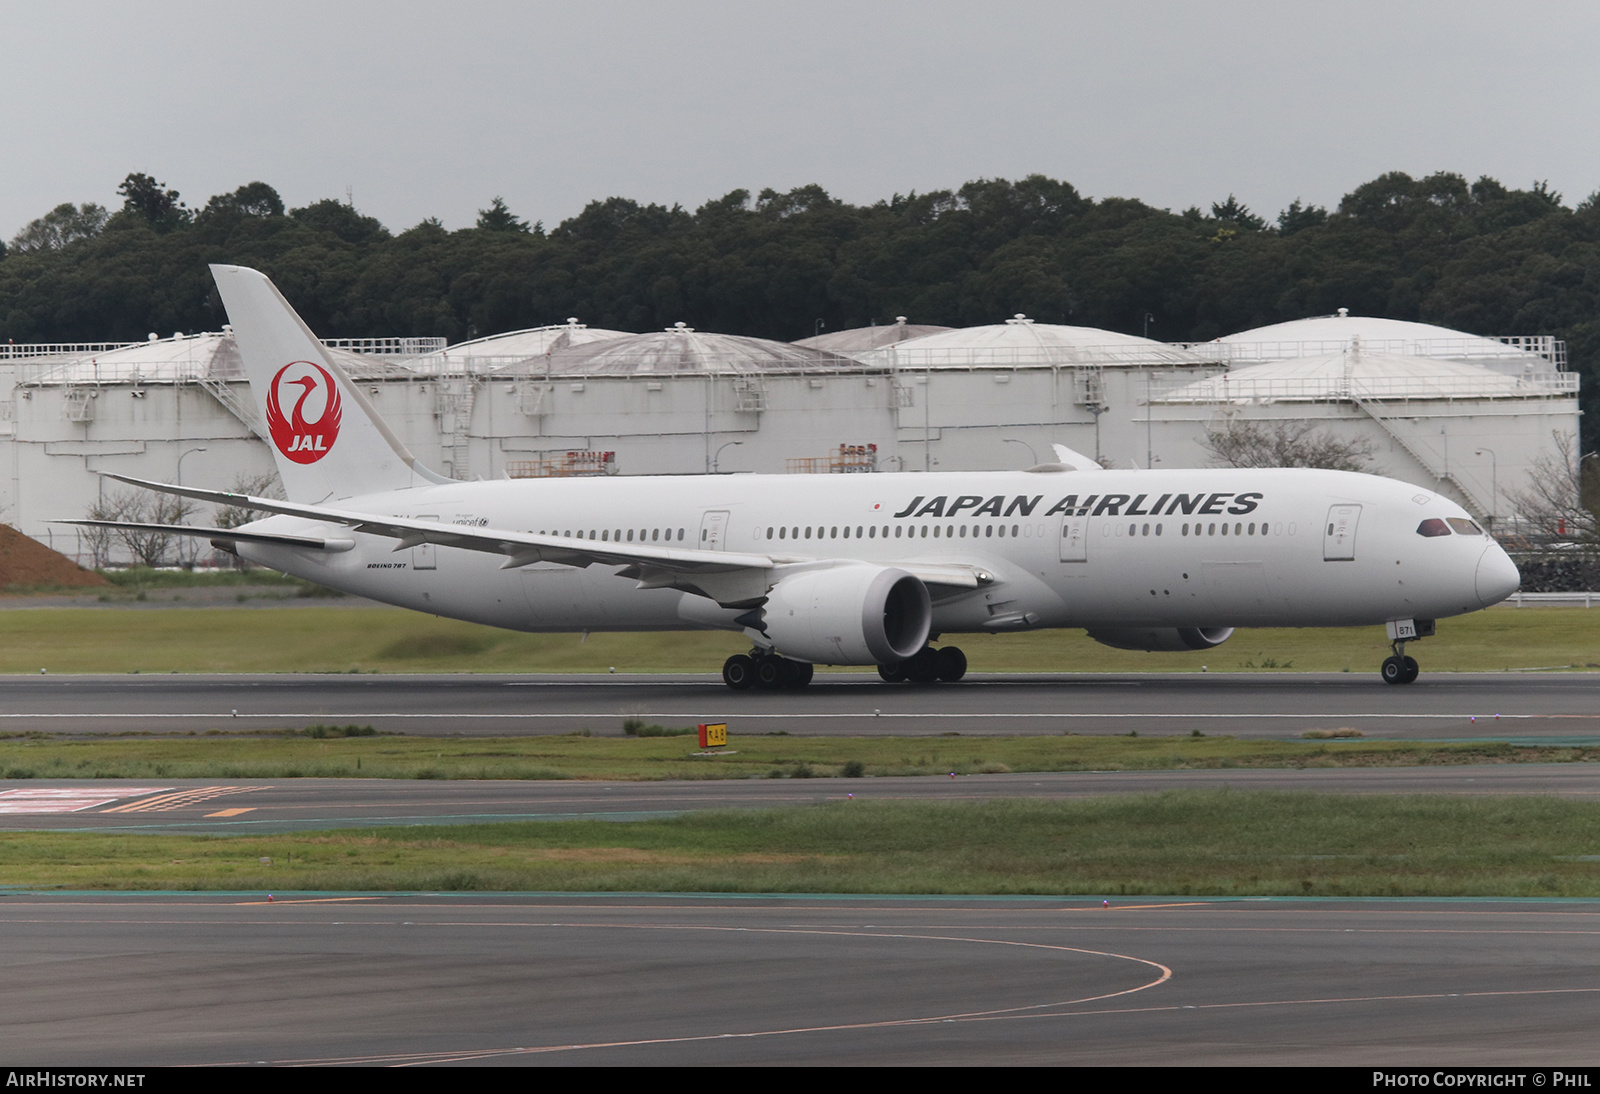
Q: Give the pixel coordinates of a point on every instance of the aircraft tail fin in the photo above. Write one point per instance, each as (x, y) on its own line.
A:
(326, 437)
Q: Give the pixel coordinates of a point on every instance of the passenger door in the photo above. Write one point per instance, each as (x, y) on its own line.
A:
(1339, 533)
(713, 529)
(422, 555)
(1074, 539)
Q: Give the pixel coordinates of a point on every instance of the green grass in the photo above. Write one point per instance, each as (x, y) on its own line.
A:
(372, 639)
(143, 577)
(346, 752)
(1197, 843)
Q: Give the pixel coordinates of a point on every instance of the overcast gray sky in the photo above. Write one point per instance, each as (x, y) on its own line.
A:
(433, 109)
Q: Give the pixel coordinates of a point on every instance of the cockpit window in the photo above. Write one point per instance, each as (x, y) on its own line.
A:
(1465, 527)
(1433, 526)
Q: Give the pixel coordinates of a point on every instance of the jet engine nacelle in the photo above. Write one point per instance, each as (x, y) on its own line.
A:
(1163, 639)
(848, 615)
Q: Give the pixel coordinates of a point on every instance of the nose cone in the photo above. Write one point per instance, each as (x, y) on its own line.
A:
(1497, 576)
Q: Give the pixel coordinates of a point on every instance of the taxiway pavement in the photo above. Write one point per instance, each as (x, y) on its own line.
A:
(1438, 706)
(129, 980)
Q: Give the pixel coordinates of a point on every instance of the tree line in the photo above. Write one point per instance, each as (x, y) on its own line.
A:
(1476, 256)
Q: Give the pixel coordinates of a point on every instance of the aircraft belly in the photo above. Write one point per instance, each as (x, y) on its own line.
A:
(472, 586)
(567, 598)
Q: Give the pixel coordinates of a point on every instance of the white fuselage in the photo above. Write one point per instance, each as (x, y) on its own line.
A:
(1185, 548)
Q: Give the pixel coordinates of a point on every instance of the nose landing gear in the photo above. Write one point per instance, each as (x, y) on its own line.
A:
(1400, 669)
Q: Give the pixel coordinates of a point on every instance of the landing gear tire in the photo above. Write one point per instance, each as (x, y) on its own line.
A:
(952, 664)
(923, 668)
(927, 666)
(769, 673)
(738, 672)
(1400, 670)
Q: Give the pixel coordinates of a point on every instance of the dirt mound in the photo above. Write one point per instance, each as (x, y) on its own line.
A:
(26, 563)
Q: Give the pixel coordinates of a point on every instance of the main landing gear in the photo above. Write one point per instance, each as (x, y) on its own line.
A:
(928, 666)
(762, 669)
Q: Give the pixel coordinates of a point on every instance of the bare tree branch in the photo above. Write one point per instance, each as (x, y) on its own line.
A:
(232, 516)
(1287, 444)
(145, 548)
(1560, 501)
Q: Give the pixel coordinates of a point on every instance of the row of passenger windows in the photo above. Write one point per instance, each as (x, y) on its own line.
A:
(1238, 529)
(951, 531)
(645, 535)
(871, 531)
(955, 531)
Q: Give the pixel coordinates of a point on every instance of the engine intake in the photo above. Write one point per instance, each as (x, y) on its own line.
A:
(853, 614)
(1162, 639)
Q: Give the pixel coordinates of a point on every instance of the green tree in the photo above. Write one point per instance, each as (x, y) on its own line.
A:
(338, 219)
(64, 224)
(497, 218)
(1297, 218)
(1238, 214)
(255, 199)
(148, 200)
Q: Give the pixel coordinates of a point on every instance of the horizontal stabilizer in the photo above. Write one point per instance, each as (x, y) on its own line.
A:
(219, 536)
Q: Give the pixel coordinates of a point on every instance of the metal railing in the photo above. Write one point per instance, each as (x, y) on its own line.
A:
(564, 465)
(644, 367)
(1466, 348)
(388, 347)
(846, 459)
(909, 357)
(1229, 389)
(240, 406)
(13, 351)
(1546, 600)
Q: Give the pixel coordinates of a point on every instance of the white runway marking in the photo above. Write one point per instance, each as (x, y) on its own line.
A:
(36, 800)
(917, 715)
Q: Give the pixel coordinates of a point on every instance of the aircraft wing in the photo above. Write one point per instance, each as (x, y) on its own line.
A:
(653, 566)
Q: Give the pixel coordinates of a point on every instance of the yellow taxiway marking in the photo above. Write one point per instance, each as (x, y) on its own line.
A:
(232, 812)
(161, 803)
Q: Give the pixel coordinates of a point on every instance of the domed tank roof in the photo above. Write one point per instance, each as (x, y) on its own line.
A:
(1020, 341)
(682, 350)
(501, 351)
(1324, 334)
(864, 339)
(1358, 374)
(187, 357)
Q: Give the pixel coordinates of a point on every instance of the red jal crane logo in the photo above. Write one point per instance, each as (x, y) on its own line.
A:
(298, 439)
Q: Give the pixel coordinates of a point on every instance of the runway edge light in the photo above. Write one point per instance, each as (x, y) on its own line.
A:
(713, 734)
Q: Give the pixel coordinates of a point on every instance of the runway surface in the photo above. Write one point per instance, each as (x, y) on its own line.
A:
(1440, 706)
(532, 979)
(127, 980)
(244, 807)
